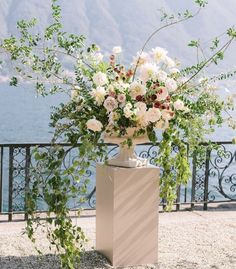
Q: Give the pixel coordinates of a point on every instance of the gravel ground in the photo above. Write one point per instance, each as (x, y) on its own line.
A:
(187, 240)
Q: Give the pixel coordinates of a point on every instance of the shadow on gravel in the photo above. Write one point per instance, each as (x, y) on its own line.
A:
(89, 260)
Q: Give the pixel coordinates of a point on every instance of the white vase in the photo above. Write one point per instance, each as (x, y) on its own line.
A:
(126, 156)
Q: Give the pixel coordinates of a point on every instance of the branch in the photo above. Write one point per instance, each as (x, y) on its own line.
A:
(157, 31)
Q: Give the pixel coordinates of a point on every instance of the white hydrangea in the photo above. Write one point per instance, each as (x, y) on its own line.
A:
(136, 88)
(171, 84)
(94, 125)
(153, 114)
(159, 54)
(116, 50)
(99, 95)
(148, 71)
(110, 104)
(100, 78)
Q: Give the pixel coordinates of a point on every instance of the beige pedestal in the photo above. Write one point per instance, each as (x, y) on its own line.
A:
(127, 214)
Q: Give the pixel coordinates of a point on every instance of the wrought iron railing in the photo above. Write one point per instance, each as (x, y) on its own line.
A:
(213, 181)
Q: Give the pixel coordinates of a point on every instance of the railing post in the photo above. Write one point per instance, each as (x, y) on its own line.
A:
(27, 178)
(1, 179)
(10, 187)
(178, 199)
(206, 181)
(194, 180)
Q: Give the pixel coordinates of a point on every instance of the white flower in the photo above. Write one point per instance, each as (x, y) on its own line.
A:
(100, 78)
(127, 110)
(169, 62)
(94, 125)
(159, 54)
(162, 94)
(117, 50)
(171, 84)
(110, 104)
(148, 71)
(179, 105)
(161, 76)
(121, 98)
(142, 119)
(136, 88)
(167, 115)
(141, 58)
(113, 116)
(153, 114)
(142, 107)
(99, 95)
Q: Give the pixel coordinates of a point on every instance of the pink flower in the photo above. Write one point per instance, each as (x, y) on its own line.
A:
(121, 98)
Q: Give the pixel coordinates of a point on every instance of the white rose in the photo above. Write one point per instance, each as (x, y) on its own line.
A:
(142, 119)
(110, 104)
(153, 114)
(161, 76)
(136, 88)
(100, 78)
(99, 95)
(148, 71)
(141, 106)
(117, 50)
(159, 54)
(179, 105)
(94, 125)
(171, 84)
(162, 94)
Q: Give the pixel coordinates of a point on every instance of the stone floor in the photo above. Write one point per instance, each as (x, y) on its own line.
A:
(187, 240)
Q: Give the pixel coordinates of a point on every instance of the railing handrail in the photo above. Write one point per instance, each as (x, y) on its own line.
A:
(43, 144)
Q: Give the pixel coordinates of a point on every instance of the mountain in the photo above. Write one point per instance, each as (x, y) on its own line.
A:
(129, 23)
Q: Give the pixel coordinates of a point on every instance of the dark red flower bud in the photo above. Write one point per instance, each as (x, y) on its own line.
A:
(112, 57)
(168, 98)
(157, 105)
(154, 97)
(139, 98)
(163, 106)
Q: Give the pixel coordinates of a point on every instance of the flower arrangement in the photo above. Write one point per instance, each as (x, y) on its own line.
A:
(154, 93)
(146, 102)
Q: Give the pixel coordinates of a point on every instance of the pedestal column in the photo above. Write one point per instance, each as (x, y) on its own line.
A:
(127, 214)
